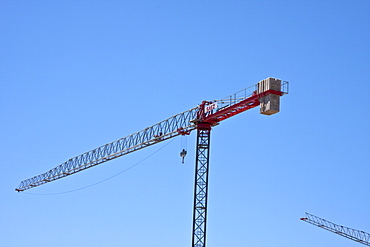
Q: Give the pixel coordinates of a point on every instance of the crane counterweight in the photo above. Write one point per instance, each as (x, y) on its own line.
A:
(269, 104)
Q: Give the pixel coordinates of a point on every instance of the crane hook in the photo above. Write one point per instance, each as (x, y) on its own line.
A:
(183, 154)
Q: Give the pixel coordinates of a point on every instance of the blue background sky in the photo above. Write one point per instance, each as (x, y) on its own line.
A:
(77, 74)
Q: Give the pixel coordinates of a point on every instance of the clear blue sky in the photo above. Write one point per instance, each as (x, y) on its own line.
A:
(77, 74)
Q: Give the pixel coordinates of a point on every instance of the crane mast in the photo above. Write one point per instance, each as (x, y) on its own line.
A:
(353, 234)
(201, 184)
(202, 118)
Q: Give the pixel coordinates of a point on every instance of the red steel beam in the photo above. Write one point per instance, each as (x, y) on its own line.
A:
(240, 107)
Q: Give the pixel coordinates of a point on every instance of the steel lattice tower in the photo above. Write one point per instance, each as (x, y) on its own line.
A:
(201, 185)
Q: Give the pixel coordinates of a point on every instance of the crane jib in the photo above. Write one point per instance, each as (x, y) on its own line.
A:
(159, 132)
(181, 124)
(350, 233)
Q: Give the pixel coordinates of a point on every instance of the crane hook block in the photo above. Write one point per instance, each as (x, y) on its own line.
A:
(183, 154)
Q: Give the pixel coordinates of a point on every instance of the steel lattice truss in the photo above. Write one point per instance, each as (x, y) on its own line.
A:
(201, 188)
(353, 234)
(173, 126)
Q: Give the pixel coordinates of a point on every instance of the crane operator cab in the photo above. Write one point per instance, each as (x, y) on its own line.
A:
(183, 154)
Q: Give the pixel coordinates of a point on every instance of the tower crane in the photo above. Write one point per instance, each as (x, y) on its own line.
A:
(353, 234)
(202, 118)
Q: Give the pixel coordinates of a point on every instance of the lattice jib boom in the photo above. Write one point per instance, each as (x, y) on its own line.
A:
(159, 132)
(353, 234)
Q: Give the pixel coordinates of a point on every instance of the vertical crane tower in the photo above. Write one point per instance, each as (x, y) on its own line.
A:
(203, 118)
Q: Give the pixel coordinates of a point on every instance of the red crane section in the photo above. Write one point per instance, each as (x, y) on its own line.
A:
(242, 106)
(218, 110)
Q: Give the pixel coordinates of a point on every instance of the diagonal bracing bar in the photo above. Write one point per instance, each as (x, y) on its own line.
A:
(201, 185)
